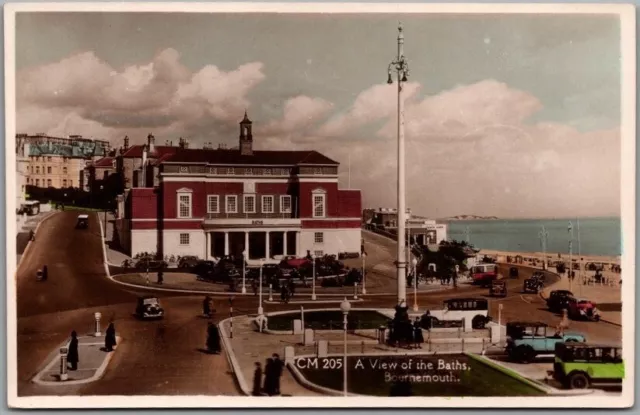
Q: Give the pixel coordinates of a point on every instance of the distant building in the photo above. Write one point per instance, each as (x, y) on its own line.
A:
(421, 230)
(215, 202)
(60, 162)
(22, 170)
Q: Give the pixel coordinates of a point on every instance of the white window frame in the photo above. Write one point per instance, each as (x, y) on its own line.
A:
(262, 204)
(227, 198)
(188, 239)
(244, 203)
(209, 199)
(179, 194)
(318, 238)
(282, 199)
(318, 253)
(322, 194)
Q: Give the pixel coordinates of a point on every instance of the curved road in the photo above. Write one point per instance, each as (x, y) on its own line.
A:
(163, 358)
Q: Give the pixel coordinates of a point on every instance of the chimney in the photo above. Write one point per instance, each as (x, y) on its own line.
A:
(246, 137)
(144, 164)
(151, 142)
(126, 142)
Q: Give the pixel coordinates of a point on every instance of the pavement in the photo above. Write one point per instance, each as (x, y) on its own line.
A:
(22, 237)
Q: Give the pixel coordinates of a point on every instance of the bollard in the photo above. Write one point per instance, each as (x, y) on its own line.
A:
(362, 349)
(98, 316)
(355, 290)
(270, 293)
(463, 345)
(63, 363)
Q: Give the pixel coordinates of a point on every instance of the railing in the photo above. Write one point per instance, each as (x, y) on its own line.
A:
(254, 216)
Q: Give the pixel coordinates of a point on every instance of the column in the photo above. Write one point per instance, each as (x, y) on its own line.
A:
(226, 243)
(207, 252)
(284, 236)
(298, 253)
(267, 248)
(246, 244)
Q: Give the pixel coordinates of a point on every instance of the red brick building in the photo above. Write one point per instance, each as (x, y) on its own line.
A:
(210, 203)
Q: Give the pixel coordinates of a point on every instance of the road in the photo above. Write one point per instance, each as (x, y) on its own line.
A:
(163, 357)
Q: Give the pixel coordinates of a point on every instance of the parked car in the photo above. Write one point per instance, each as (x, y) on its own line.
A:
(149, 308)
(581, 365)
(150, 264)
(559, 300)
(205, 270)
(83, 222)
(533, 284)
(498, 288)
(513, 272)
(526, 340)
(582, 309)
(474, 311)
(188, 261)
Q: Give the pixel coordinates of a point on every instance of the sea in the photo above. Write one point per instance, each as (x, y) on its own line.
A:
(596, 236)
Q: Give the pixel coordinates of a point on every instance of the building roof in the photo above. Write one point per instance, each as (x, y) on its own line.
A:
(223, 156)
(105, 162)
(72, 147)
(136, 151)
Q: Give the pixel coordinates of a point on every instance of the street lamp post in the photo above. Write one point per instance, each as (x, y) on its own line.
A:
(543, 239)
(364, 272)
(400, 66)
(570, 229)
(260, 309)
(414, 262)
(244, 272)
(467, 234)
(345, 306)
(313, 278)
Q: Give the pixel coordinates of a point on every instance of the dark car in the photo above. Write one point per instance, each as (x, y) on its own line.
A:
(559, 300)
(513, 272)
(83, 222)
(533, 284)
(205, 270)
(498, 288)
(151, 264)
(188, 261)
(149, 308)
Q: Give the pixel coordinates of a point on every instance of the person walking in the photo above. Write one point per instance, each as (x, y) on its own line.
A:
(254, 287)
(257, 380)
(418, 338)
(110, 337)
(269, 384)
(292, 287)
(564, 323)
(206, 306)
(278, 366)
(213, 339)
(72, 355)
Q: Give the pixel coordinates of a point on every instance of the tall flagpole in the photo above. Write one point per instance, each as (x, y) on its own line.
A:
(580, 277)
(349, 169)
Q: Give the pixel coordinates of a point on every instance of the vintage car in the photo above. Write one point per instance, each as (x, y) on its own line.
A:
(189, 261)
(559, 300)
(533, 284)
(149, 308)
(498, 288)
(513, 272)
(581, 365)
(204, 270)
(474, 312)
(526, 340)
(582, 309)
(83, 222)
(150, 264)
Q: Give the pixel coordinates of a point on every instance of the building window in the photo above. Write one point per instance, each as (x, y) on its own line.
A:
(232, 204)
(184, 239)
(318, 237)
(48, 182)
(49, 170)
(70, 183)
(318, 254)
(249, 204)
(248, 172)
(213, 204)
(38, 182)
(64, 182)
(49, 158)
(184, 205)
(64, 170)
(285, 204)
(267, 204)
(37, 169)
(319, 208)
(230, 171)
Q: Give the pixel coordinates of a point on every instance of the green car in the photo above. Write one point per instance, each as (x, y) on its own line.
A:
(581, 365)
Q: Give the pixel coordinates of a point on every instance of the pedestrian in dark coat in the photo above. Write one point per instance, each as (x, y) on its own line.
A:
(213, 339)
(110, 338)
(418, 338)
(292, 287)
(45, 272)
(206, 306)
(278, 366)
(269, 384)
(72, 355)
(257, 380)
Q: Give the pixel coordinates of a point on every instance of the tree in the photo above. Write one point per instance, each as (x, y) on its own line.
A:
(448, 255)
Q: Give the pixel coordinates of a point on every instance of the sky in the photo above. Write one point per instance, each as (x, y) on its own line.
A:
(506, 115)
